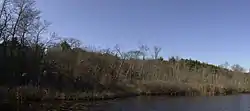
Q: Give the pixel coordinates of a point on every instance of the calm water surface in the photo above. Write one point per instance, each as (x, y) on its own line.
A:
(217, 103)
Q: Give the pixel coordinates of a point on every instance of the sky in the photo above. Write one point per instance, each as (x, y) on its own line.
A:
(212, 31)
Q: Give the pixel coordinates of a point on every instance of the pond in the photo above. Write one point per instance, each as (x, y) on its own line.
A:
(215, 103)
(239, 102)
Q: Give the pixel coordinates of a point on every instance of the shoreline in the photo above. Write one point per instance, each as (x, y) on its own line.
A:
(59, 103)
(124, 96)
(33, 94)
(26, 100)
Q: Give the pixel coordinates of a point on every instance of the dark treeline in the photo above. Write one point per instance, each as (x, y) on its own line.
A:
(32, 61)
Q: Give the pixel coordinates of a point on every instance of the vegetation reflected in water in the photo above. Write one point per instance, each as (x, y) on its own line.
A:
(157, 103)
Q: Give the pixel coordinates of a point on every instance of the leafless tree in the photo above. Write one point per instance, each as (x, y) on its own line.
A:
(38, 31)
(237, 68)
(156, 52)
(225, 65)
(5, 17)
(117, 51)
(23, 16)
(135, 54)
(26, 23)
(51, 40)
(74, 43)
(143, 50)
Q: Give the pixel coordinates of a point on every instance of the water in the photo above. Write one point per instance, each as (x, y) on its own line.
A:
(216, 103)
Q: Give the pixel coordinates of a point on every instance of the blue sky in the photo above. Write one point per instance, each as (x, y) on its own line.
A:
(212, 31)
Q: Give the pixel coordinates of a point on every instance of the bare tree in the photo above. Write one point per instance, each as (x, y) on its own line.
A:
(143, 49)
(3, 7)
(74, 43)
(38, 30)
(5, 17)
(26, 23)
(156, 52)
(51, 40)
(117, 51)
(21, 16)
(135, 54)
(225, 65)
(237, 68)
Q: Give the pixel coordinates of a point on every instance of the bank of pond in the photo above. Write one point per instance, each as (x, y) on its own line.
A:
(23, 97)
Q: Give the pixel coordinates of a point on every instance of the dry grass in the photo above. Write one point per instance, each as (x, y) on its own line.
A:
(112, 77)
(160, 76)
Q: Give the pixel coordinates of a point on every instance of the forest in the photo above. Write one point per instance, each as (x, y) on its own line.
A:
(37, 64)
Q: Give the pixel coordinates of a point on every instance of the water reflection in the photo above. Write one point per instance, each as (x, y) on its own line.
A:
(217, 103)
